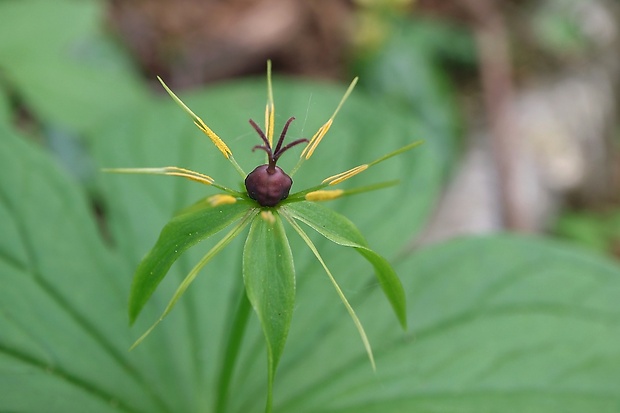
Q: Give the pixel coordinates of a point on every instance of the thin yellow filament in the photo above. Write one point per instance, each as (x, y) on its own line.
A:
(168, 170)
(316, 139)
(323, 195)
(343, 176)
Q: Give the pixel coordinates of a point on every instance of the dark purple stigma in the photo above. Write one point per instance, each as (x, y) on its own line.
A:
(268, 184)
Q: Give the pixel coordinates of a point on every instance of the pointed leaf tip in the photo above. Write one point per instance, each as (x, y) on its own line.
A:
(340, 230)
(217, 141)
(182, 232)
(343, 298)
(269, 277)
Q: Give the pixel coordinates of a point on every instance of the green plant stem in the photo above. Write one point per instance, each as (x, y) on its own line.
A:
(231, 354)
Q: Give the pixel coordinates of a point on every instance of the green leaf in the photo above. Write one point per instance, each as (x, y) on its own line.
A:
(496, 324)
(5, 107)
(138, 206)
(598, 231)
(63, 340)
(56, 59)
(152, 135)
(189, 278)
(91, 257)
(409, 71)
(343, 298)
(269, 277)
(342, 231)
(500, 324)
(182, 232)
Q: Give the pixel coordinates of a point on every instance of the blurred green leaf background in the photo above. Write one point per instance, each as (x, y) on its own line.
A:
(499, 323)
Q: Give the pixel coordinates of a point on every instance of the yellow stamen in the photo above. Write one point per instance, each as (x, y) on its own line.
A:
(270, 109)
(268, 216)
(219, 143)
(221, 199)
(343, 176)
(316, 139)
(323, 195)
(168, 170)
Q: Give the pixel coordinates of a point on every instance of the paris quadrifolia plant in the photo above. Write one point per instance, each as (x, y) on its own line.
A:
(264, 206)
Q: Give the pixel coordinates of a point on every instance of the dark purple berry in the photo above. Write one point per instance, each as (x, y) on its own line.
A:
(268, 187)
(268, 184)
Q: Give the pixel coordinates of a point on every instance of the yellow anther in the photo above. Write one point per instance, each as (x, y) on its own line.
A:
(316, 139)
(186, 173)
(343, 176)
(268, 216)
(168, 170)
(219, 143)
(269, 121)
(221, 199)
(270, 109)
(323, 195)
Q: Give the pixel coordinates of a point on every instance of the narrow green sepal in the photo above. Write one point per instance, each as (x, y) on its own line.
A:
(340, 230)
(269, 277)
(189, 278)
(183, 231)
(332, 279)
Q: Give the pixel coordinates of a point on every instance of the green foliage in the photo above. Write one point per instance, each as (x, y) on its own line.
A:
(597, 231)
(340, 230)
(63, 333)
(268, 269)
(496, 324)
(557, 29)
(55, 58)
(4, 107)
(269, 277)
(410, 70)
(503, 324)
(183, 231)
